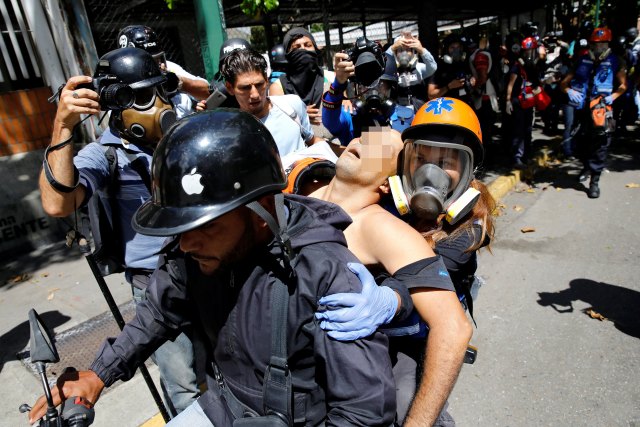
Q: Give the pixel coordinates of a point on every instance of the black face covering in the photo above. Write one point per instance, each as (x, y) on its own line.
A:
(305, 75)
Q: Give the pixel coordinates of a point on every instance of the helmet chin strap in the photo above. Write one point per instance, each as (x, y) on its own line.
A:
(278, 228)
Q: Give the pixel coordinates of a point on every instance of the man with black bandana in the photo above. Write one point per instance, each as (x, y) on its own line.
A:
(304, 76)
(68, 183)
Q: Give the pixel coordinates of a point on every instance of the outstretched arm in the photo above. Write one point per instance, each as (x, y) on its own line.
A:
(73, 103)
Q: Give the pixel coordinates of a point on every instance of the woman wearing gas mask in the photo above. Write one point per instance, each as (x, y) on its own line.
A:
(436, 193)
(304, 75)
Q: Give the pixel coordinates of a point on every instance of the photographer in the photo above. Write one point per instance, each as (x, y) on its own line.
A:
(453, 78)
(413, 64)
(190, 87)
(360, 74)
(68, 183)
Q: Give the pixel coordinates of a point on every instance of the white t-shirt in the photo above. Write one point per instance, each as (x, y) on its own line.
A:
(288, 123)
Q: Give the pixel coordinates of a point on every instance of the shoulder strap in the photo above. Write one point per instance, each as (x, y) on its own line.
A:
(286, 108)
(136, 163)
(112, 158)
(278, 390)
(291, 112)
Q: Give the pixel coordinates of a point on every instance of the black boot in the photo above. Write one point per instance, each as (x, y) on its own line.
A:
(594, 189)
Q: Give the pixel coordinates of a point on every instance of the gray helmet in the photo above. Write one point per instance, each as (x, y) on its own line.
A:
(207, 165)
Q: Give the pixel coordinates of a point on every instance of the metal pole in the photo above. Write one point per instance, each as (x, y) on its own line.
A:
(86, 251)
(327, 36)
(212, 32)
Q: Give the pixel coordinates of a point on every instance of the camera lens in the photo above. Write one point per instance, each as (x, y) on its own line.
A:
(117, 96)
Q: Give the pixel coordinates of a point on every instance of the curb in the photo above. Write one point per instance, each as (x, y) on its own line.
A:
(500, 186)
(155, 421)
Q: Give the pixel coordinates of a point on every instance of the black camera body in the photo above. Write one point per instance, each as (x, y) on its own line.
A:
(467, 82)
(369, 60)
(113, 94)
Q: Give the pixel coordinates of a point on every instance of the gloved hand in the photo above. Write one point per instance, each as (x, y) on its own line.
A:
(508, 107)
(350, 316)
(575, 96)
(608, 99)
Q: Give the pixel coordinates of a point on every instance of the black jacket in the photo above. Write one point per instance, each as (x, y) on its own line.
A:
(342, 383)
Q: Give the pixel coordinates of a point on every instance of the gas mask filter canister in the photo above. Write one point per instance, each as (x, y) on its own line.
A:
(150, 124)
(431, 189)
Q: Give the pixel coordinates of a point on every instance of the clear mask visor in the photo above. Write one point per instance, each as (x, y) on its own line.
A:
(419, 173)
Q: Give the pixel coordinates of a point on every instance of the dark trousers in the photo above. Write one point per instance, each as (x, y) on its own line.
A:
(592, 144)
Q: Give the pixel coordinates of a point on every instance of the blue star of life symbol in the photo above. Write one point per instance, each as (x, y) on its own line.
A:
(437, 105)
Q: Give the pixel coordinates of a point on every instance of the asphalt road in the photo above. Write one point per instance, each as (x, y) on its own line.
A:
(542, 360)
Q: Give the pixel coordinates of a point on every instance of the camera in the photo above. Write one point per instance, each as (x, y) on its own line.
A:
(113, 94)
(369, 61)
(467, 83)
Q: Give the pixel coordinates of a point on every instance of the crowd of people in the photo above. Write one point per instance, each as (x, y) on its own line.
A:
(314, 233)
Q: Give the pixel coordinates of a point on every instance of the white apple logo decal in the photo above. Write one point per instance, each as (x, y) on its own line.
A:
(191, 183)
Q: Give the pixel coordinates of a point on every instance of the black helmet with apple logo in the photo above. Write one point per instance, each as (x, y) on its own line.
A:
(205, 166)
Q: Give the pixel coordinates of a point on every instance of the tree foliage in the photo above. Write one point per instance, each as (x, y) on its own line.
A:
(255, 8)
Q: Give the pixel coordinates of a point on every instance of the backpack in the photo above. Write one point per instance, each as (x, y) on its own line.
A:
(97, 216)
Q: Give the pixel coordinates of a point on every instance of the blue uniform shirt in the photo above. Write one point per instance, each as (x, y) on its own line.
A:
(140, 250)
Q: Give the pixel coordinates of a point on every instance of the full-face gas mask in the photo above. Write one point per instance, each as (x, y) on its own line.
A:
(433, 178)
(406, 58)
(374, 102)
(146, 117)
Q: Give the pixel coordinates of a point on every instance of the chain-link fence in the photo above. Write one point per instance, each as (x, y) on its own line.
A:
(176, 29)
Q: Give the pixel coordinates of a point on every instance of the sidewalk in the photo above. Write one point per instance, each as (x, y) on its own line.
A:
(58, 284)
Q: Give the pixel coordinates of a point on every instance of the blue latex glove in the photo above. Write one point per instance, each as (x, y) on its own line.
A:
(608, 99)
(575, 96)
(350, 316)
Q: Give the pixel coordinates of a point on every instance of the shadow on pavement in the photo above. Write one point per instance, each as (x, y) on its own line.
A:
(17, 338)
(20, 269)
(624, 155)
(617, 304)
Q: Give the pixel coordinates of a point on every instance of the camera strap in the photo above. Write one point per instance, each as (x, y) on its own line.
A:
(49, 174)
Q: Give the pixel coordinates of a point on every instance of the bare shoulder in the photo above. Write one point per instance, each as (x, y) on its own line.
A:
(393, 242)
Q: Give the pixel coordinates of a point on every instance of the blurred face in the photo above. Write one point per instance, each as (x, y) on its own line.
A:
(370, 159)
(250, 90)
(219, 242)
(303, 42)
